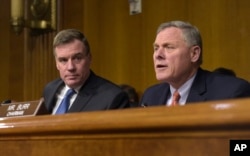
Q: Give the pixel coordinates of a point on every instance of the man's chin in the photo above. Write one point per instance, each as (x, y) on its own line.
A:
(160, 77)
(72, 83)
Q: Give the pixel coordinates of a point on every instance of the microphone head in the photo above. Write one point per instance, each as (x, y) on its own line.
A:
(6, 101)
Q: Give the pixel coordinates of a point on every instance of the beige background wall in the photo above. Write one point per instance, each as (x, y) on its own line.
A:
(122, 44)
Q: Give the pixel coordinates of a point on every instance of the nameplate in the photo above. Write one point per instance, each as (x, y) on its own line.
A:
(17, 109)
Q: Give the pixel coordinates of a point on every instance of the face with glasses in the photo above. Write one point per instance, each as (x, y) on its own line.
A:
(73, 63)
(175, 61)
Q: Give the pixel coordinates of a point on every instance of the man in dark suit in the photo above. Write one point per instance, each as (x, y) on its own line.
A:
(90, 92)
(177, 59)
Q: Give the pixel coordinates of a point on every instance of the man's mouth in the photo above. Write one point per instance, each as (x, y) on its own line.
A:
(71, 76)
(161, 66)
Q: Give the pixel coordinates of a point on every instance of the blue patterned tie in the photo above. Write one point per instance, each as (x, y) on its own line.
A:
(63, 107)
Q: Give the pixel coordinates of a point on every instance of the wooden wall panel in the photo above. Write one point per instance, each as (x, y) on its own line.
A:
(39, 66)
(4, 50)
(71, 14)
(118, 43)
(122, 44)
(226, 36)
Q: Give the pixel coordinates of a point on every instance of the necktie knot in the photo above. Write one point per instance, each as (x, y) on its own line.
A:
(63, 107)
(175, 98)
(69, 93)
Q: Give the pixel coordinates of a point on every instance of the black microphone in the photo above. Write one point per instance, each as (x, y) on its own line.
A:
(6, 101)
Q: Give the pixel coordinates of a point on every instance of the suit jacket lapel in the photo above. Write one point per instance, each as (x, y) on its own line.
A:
(85, 94)
(198, 88)
(159, 95)
(163, 96)
(81, 101)
(52, 95)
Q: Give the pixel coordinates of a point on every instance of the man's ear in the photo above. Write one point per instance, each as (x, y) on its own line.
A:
(195, 53)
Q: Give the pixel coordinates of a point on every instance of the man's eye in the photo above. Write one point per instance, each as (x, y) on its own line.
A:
(169, 47)
(62, 60)
(155, 48)
(78, 58)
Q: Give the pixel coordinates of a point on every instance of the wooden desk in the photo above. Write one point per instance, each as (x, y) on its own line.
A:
(202, 129)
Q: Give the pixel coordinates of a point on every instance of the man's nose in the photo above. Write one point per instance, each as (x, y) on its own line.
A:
(159, 53)
(70, 64)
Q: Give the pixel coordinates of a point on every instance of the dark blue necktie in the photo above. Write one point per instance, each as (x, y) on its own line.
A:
(63, 107)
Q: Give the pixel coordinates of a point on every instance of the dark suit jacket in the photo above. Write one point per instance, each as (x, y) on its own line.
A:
(206, 86)
(96, 94)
